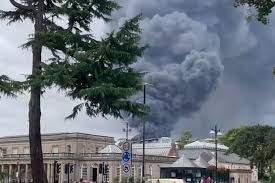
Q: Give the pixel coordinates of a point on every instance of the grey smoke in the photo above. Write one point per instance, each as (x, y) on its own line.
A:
(193, 43)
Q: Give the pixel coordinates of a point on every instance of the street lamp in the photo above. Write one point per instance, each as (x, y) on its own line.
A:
(143, 132)
(217, 133)
(127, 130)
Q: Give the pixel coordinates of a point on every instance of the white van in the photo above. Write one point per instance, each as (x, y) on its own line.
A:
(165, 181)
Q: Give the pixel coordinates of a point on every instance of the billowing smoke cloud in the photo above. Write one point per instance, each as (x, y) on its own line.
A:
(191, 43)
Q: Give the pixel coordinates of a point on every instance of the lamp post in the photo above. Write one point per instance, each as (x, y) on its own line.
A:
(217, 133)
(143, 133)
(127, 130)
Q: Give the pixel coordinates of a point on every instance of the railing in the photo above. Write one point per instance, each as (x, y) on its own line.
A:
(117, 156)
(91, 156)
(45, 155)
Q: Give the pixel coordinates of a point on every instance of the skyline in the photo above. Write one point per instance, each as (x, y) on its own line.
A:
(245, 93)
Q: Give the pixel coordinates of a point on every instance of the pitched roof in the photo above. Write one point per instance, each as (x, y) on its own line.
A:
(201, 162)
(183, 162)
(207, 155)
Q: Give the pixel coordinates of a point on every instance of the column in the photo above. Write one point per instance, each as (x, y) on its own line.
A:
(18, 173)
(48, 172)
(2, 168)
(61, 175)
(89, 172)
(10, 169)
(26, 173)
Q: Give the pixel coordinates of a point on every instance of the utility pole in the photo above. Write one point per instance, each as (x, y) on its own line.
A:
(143, 136)
(216, 152)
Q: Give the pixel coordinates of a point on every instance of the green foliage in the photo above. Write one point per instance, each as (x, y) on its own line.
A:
(116, 180)
(8, 87)
(123, 180)
(3, 175)
(263, 7)
(138, 180)
(96, 72)
(131, 180)
(256, 143)
(185, 138)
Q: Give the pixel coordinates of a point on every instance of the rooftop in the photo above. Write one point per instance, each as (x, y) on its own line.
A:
(205, 145)
(55, 136)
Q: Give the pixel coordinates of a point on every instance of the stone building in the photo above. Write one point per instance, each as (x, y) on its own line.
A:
(85, 152)
(197, 159)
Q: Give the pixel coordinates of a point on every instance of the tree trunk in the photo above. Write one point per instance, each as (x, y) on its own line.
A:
(37, 166)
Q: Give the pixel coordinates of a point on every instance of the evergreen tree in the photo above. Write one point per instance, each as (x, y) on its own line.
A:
(97, 72)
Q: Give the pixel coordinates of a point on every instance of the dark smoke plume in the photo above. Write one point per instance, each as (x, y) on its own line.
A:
(191, 43)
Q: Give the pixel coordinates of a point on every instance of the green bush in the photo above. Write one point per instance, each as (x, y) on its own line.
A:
(131, 180)
(123, 180)
(116, 180)
(138, 180)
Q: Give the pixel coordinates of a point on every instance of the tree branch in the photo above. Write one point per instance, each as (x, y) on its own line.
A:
(20, 6)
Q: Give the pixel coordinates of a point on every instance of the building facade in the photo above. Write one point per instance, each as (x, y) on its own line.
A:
(62, 147)
(85, 152)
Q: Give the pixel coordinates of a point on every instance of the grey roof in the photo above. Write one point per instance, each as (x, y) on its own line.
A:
(207, 154)
(201, 162)
(138, 151)
(199, 144)
(156, 151)
(111, 149)
(183, 162)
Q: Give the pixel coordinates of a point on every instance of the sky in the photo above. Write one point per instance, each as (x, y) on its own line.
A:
(207, 63)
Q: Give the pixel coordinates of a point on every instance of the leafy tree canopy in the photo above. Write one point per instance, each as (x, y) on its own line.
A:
(256, 143)
(185, 138)
(263, 8)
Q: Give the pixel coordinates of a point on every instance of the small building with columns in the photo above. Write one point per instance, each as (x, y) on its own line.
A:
(85, 152)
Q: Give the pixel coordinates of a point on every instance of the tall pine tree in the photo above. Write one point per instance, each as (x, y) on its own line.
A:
(97, 72)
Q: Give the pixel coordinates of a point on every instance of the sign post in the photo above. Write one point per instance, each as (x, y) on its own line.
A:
(126, 159)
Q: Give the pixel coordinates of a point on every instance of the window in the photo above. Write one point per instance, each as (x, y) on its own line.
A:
(83, 148)
(3, 151)
(26, 150)
(151, 170)
(96, 149)
(14, 150)
(55, 149)
(84, 172)
(69, 148)
(107, 176)
(118, 173)
(133, 171)
(139, 172)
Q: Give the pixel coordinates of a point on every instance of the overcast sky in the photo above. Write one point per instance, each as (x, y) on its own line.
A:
(244, 92)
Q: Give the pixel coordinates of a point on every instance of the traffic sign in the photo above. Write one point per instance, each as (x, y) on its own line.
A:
(126, 146)
(126, 168)
(126, 160)
(126, 156)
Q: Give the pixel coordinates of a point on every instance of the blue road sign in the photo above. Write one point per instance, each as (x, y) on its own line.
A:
(126, 156)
